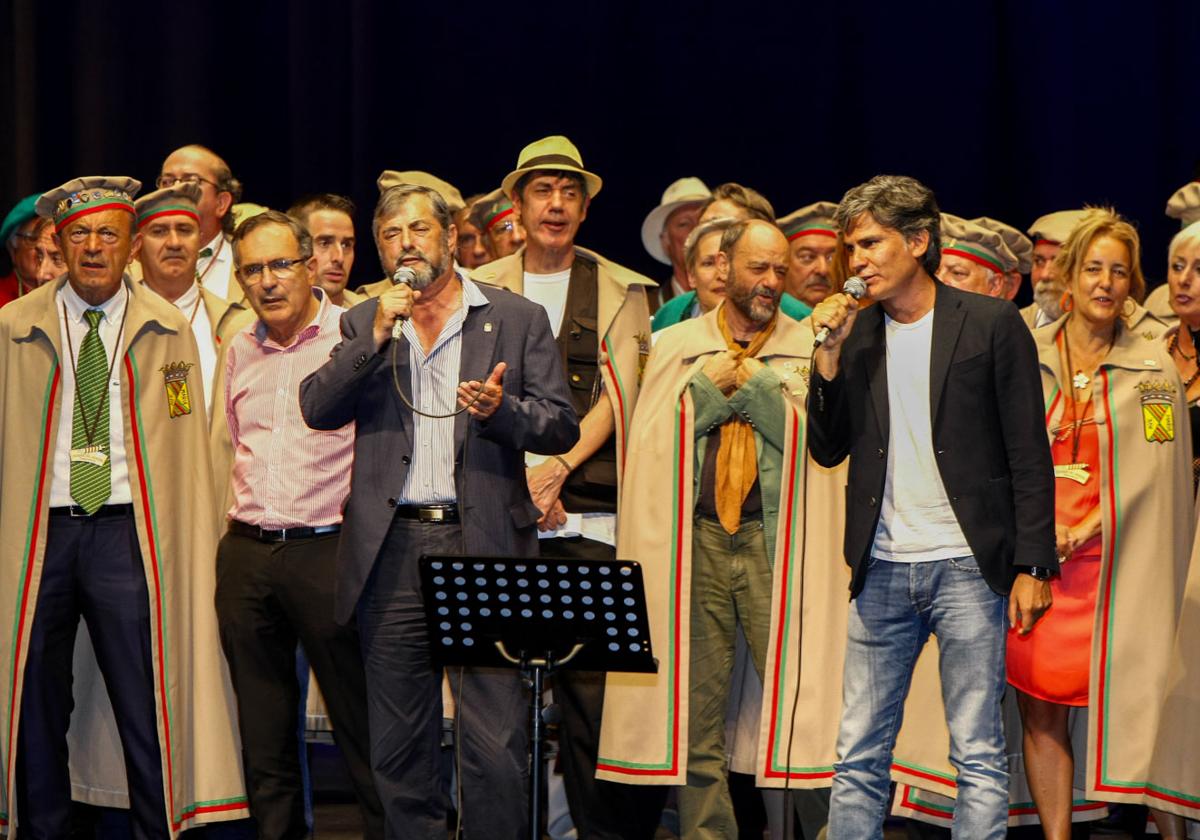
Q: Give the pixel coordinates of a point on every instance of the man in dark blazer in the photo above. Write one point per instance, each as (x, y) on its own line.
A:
(935, 396)
(425, 484)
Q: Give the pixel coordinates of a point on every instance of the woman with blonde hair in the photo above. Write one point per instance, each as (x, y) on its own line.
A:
(1116, 418)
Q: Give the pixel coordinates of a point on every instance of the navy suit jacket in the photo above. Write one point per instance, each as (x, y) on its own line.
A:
(989, 432)
(498, 515)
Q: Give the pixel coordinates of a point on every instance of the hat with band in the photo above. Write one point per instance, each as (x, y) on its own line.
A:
(814, 219)
(180, 199)
(680, 193)
(970, 241)
(491, 209)
(84, 196)
(554, 153)
(1017, 242)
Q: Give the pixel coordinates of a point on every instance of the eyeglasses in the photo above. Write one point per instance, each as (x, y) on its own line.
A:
(502, 227)
(280, 270)
(165, 181)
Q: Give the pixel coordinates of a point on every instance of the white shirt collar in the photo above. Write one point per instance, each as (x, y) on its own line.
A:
(76, 305)
(472, 296)
(187, 300)
(221, 251)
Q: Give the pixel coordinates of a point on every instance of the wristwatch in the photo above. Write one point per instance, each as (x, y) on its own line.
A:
(1038, 572)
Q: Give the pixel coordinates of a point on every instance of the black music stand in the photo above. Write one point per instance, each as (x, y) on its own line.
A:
(539, 615)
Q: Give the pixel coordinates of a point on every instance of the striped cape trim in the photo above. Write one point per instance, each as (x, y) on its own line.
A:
(670, 764)
(31, 541)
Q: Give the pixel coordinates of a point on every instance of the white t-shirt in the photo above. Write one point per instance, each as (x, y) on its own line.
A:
(916, 522)
(549, 290)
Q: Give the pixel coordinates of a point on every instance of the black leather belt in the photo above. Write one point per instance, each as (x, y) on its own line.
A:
(254, 532)
(102, 512)
(443, 514)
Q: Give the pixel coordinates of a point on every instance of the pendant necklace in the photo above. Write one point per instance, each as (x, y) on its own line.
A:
(1075, 471)
(92, 451)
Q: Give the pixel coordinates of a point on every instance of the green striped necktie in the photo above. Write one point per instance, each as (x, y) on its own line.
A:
(91, 474)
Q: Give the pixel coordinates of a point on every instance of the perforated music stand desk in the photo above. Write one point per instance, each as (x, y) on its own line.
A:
(538, 614)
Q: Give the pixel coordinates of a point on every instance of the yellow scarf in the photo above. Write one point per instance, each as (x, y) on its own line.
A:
(737, 461)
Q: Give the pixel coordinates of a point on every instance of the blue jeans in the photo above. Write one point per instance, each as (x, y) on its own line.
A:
(889, 623)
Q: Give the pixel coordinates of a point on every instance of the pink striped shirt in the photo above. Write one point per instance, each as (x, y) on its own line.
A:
(285, 475)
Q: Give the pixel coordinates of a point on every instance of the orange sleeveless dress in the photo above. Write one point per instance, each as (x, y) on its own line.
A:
(1054, 660)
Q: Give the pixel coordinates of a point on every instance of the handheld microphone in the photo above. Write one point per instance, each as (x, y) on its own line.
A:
(405, 275)
(856, 288)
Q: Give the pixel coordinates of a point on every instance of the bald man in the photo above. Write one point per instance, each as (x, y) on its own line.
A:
(219, 191)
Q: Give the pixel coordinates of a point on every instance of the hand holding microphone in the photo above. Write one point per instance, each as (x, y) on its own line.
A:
(835, 315)
(395, 306)
(834, 318)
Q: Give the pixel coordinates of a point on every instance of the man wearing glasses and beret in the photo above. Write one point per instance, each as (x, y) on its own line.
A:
(219, 191)
(107, 515)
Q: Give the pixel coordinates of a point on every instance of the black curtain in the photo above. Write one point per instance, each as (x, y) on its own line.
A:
(1010, 109)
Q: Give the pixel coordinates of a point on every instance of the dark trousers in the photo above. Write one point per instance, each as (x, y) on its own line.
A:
(601, 810)
(92, 568)
(404, 701)
(268, 596)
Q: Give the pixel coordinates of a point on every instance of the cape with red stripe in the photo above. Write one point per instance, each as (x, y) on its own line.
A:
(643, 739)
(1146, 527)
(170, 478)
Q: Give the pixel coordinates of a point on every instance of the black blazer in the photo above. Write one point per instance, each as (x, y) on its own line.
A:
(989, 433)
(498, 515)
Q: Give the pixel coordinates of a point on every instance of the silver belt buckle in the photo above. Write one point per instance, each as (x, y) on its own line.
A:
(82, 514)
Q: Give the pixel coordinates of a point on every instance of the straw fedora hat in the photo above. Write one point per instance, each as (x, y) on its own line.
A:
(554, 152)
(681, 192)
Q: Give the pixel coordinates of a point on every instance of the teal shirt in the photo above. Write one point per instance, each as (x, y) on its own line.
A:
(679, 309)
(759, 401)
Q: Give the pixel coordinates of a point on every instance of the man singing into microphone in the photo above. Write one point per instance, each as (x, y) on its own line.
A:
(450, 483)
(935, 395)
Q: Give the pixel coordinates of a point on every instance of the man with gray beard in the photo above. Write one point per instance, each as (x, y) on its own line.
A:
(1048, 234)
(728, 370)
(482, 370)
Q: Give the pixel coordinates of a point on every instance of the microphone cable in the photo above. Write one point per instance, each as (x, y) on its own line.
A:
(400, 392)
(405, 276)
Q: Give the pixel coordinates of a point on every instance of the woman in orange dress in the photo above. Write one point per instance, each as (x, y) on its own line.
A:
(1121, 464)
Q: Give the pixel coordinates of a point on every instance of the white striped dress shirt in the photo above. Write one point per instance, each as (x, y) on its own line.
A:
(435, 378)
(285, 475)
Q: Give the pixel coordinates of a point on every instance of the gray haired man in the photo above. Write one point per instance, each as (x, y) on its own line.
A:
(941, 537)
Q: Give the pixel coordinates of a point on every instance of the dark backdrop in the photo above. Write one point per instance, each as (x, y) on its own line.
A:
(1010, 109)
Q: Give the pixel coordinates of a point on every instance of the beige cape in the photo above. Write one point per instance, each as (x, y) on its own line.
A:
(170, 479)
(1147, 521)
(643, 739)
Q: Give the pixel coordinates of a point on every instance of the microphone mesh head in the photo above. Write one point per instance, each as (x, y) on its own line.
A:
(855, 287)
(403, 275)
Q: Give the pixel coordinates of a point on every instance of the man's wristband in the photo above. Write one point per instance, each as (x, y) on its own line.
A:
(566, 464)
(1038, 572)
